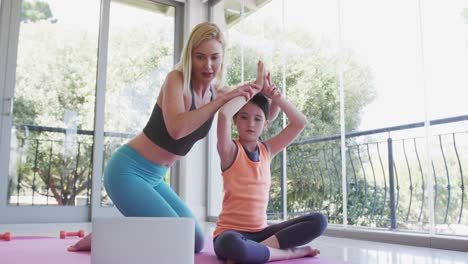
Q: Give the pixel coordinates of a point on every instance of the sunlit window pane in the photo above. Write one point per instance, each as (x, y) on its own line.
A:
(445, 43)
(402, 66)
(53, 113)
(388, 51)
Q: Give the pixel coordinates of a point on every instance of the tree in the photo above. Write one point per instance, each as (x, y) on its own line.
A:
(35, 11)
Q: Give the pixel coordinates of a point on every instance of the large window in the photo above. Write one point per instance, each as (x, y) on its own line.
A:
(445, 45)
(397, 67)
(50, 159)
(81, 78)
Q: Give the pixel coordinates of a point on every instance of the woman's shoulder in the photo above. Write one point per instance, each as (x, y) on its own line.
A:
(173, 79)
(175, 75)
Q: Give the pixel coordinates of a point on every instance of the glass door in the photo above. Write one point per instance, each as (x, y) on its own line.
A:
(48, 109)
(56, 71)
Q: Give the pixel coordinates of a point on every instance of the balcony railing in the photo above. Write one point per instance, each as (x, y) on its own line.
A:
(386, 173)
(53, 166)
(386, 177)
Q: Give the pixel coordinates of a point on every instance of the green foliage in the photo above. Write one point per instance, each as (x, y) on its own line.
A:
(65, 80)
(465, 14)
(312, 83)
(28, 111)
(56, 75)
(33, 11)
(45, 171)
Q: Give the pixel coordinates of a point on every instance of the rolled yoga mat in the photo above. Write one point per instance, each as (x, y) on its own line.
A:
(51, 250)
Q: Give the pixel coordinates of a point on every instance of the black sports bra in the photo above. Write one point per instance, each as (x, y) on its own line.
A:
(156, 131)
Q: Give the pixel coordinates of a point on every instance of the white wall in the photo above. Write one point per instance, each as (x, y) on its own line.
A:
(195, 12)
(200, 171)
(192, 182)
(215, 180)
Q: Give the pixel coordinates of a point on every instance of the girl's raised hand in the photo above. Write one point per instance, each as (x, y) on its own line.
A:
(260, 81)
(274, 93)
(269, 89)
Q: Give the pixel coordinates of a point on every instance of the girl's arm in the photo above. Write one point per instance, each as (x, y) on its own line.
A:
(226, 147)
(180, 122)
(297, 122)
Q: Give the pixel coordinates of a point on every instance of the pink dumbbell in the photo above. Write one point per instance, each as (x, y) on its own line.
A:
(64, 234)
(6, 236)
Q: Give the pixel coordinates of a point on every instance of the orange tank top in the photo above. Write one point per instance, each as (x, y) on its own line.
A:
(246, 192)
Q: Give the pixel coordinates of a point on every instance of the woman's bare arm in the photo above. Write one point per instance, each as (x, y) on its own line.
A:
(180, 122)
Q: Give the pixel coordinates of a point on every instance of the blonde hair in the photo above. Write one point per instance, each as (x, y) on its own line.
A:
(202, 32)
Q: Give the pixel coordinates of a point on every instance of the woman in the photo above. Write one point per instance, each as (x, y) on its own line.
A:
(182, 115)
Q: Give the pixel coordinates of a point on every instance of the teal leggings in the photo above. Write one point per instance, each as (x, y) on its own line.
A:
(137, 188)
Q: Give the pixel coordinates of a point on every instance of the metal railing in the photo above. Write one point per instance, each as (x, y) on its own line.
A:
(386, 173)
(53, 166)
(386, 176)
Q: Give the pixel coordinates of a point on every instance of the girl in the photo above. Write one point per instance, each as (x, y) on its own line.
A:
(241, 233)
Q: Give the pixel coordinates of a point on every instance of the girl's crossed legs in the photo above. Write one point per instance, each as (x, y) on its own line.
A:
(276, 242)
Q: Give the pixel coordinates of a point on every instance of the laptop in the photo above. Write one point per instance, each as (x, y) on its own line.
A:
(143, 240)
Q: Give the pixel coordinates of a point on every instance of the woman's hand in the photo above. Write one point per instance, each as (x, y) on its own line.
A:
(247, 90)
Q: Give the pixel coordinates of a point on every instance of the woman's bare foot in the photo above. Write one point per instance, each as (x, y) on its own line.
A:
(83, 244)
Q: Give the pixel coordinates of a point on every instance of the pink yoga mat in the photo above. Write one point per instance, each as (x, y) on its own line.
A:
(207, 256)
(50, 250)
(41, 250)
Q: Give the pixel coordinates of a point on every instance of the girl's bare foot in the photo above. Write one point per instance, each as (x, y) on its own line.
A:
(292, 253)
(306, 251)
(83, 244)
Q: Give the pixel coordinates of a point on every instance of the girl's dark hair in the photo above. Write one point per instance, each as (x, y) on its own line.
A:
(261, 101)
